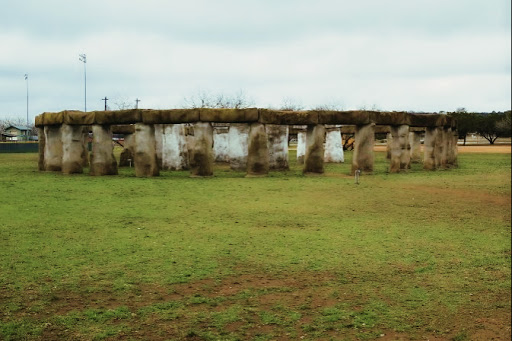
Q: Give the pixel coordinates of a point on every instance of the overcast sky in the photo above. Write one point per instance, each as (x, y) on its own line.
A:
(421, 55)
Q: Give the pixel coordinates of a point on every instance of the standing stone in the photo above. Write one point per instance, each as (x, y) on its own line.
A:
(301, 146)
(158, 143)
(72, 149)
(440, 149)
(400, 152)
(314, 158)
(144, 156)
(258, 163)
(364, 141)
(277, 146)
(42, 142)
(415, 143)
(238, 146)
(103, 161)
(85, 144)
(174, 147)
(201, 162)
(429, 148)
(333, 146)
(126, 157)
(221, 144)
(53, 148)
(389, 138)
(452, 161)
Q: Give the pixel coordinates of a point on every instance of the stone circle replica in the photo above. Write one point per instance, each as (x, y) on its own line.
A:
(252, 140)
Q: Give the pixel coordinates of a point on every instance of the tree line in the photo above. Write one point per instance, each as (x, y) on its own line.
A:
(488, 125)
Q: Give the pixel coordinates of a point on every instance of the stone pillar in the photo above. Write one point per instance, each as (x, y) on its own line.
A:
(126, 157)
(333, 146)
(429, 148)
(314, 158)
(415, 143)
(144, 156)
(174, 147)
(389, 138)
(201, 162)
(440, 149)
(258, 163)
(103, 161)
(85, 146)
(53, 148)
(364, 141)
(42, 142)
(301, 146)
(277, 146)
(221, 143)
(238, 146)
(72, 149)
(454, 149)
(159, 131)
(400, 152)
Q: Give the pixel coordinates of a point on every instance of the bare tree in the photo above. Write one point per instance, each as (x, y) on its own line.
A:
(332, 105)
(205, 99)
(291, 104)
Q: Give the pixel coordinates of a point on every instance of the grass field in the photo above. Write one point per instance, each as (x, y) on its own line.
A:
(416, 256)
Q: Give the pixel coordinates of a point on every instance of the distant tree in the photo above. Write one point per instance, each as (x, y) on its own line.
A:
(466, 122)
(504, 125)
(205, 99)
(493, 125)
(332, 105)
(291, 104)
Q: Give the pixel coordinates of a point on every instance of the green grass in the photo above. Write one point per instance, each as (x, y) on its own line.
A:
(287, 256)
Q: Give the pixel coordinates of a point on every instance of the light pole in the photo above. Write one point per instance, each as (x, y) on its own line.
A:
(26, 79)
(83, 58)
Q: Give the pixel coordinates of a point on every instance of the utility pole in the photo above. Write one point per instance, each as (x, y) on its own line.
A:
(105, 99)
(26, 79)
(83, 58)
(137, 103)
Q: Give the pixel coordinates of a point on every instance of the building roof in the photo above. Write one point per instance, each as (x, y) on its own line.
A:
(18, 127)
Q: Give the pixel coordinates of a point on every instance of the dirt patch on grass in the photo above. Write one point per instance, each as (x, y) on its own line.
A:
(277, 307)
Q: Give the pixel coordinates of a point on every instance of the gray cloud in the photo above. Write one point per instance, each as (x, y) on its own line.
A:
(395, 54)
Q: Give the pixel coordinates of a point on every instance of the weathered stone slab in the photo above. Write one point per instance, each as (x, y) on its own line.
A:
(247, 115)
(268, 116)
(52, 118)
(333, 146)
(363, 156)
(429, 148)
(277, 146)
(427, 120)
(356, 117)
(221, 144)
(85, 145)
(257, 158)
(145, 159)
(390, 118)
(314, 157)
(41, 147)
(159, 131)
(53, 148)
(102, 160)
(38, 121)
(400, 150)
(201, 162)
(175, 155)
(117, 117)
(301, 146)
(171, 116)
(75, 117)
(72, 149)
(238, 136)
